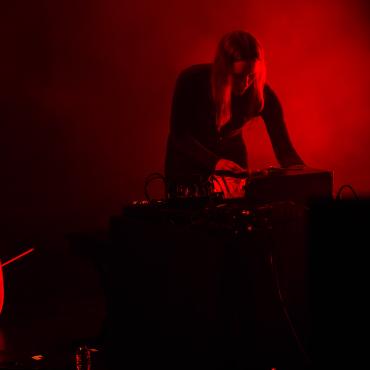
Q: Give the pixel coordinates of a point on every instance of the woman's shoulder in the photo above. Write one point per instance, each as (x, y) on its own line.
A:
(196, 69)
(272, 105)
(195, 73)
(268, 91)
(270, 95)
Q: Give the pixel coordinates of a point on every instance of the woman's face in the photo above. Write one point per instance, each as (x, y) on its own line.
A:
(242, 76)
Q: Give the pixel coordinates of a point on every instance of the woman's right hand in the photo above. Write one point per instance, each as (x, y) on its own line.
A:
(227, 165)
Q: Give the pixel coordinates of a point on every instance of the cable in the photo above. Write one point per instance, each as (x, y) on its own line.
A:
(202, 185)
(338, 197)
(226, 186)
(216, 180)
(285, 310)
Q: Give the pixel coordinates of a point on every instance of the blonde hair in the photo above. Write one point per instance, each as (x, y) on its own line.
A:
(236, 46)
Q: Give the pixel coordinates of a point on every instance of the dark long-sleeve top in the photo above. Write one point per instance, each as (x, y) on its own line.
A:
(195, 144)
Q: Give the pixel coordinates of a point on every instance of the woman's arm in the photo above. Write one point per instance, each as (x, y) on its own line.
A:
(273, 117)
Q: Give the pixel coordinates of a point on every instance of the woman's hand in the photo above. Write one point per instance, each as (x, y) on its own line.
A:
(227, 165)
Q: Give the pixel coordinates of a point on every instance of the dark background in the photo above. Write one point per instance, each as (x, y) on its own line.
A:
(85, 94)
(86, 86)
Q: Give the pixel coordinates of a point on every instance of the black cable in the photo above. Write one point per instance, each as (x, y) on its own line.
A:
(217, 178)
(338, 197)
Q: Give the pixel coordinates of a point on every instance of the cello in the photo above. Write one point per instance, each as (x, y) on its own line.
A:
(2, 289)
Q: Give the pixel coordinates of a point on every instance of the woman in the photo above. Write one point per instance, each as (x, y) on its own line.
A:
(212, 103)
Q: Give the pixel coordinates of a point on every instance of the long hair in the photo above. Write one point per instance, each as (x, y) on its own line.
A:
(236, 46)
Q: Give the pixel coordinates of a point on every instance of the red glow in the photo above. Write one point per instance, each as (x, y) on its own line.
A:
(1, 288)
(317, 62)
(87, 119)
(2, 277)
(18, 257)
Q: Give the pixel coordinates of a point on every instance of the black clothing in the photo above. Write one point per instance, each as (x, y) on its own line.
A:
(195, 145)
